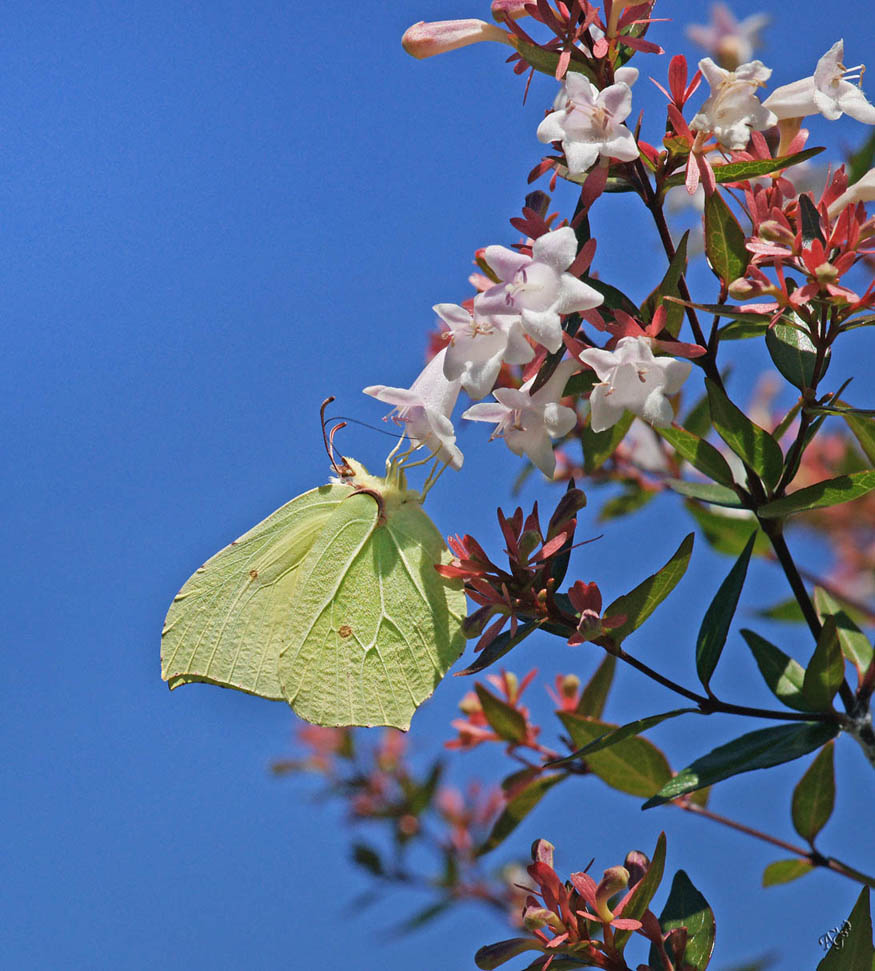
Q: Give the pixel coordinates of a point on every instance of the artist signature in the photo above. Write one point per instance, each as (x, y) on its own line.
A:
(835, 937)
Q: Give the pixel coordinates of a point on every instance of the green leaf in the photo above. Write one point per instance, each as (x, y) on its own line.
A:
(699, 453)
(809, 220)
(614, 299)
(853, 949)
(782, 673)
(787, 611)
(814, 795)
(724, 240)
(831, 492)
(635, 765)
(855, 646)
(826, 669)
(494, 955)
(506, 721)
(518, 808)
(598, 447)
(744, 328)
(716, 495)
(424, 916)
(674, 312)
(686, 907)
(639, 899)
(783, 871)
(595, 694)
(498, 648)
(755, 750)
(697, 420)
(863, 429)
(718, 617)
(793, 354)
(617, 735)
(749, 442)
(639, 604)
(581, 383)
(751, 169)
(729, 533)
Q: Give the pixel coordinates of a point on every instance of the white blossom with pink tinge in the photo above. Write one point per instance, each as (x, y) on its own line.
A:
(527, 422)
(424, 410)
(478, 345)
(632, 379)
(589, 123)
(828, 92)
(730, 40)
(536, 288)
(732, 109)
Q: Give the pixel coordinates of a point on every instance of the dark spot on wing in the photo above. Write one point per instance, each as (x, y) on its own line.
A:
(253, 574)
(345, 630)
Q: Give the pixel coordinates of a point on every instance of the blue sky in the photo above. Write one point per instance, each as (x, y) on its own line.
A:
(212, 216)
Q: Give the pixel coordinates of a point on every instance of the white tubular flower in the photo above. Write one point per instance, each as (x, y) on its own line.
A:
(424, 410)
(632, 379)
(828, 92)
(528, 422)
(535, 288)
(589, 123)
(732, 109)
(478, 345)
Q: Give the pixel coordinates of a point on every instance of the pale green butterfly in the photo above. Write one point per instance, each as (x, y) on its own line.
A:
(332, 603)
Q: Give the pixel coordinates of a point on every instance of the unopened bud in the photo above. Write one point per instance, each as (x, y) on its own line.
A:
(775, 232)
(616, 878)
(637, 863)
(570, 686)
(509, 8)
(470, 704)
(742, 289)
(542, 852)
(826, 273)
(426, 39)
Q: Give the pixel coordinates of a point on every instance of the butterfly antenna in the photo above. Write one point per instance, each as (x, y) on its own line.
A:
(342, 470)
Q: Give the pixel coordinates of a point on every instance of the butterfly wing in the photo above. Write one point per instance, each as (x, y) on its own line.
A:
(226, 626)
(374, 626)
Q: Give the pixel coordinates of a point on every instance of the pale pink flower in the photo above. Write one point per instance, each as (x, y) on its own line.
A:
(527, 421)
(729, 40)
(426, 39)
(589, 123)
(424, 410)
(732, 109)
(536, 288)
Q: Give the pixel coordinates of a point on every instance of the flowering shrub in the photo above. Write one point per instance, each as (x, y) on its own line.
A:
(591, 386)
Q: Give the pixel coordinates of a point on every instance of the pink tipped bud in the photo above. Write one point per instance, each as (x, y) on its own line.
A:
(509, 8)
(569, 686)
(427, 39)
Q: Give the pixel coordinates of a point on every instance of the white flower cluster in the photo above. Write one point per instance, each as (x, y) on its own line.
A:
(509, 320)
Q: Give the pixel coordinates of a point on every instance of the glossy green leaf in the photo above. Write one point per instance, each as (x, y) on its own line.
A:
(826, 669)
(517, 808)
(697, 420)
(643, 892)
(635, 765)
(784, 871)
(686, 907)
(614, 299)
(718, 617)
(760, 749)
(853, 949)
(787, 611)
(749, 442)
(782, 673)
(724, 240)
(728, 532)
(793, 353)
(855, 645)
(598, 447)
(814, 795)
(716, 495)
(498, 648)
(699, 453)
(668, 287)
(595, 692)
(744, 327)
(616, 735)
(752, 168)
(505, 721)
(630, 500)
(494, 955)
(863, 429)
(639, 604)
(831, 492)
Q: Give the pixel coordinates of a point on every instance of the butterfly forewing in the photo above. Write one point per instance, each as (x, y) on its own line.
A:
(227, 625)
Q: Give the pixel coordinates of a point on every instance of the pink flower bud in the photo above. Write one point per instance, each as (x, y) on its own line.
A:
(428, 38)
(509, 8)
(616, 878)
